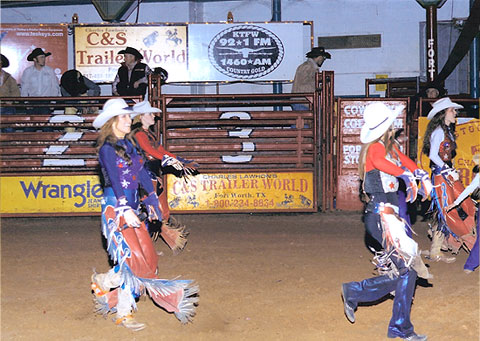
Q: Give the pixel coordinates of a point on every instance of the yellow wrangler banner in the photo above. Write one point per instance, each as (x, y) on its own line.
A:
(253, 191)
(467, 133)
(50, 194)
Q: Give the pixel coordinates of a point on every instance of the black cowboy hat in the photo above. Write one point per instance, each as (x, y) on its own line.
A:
(318, 51)
(37, 52)
(5, 62)
(131, 50)
(73, 82)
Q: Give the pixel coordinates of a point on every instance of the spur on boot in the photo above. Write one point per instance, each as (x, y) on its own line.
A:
(130, 323)
(349, 311)
(440, 257)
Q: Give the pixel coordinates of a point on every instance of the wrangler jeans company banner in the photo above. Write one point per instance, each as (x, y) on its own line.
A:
(50, 194)
(252, 191)
(257, 51)
(18, 40)
(97, 47)
(467, 133)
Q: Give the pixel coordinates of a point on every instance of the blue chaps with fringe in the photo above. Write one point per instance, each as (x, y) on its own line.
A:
(375, 288)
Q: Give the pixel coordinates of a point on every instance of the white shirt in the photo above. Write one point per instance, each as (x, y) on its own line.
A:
(469, 189)
(39, 83)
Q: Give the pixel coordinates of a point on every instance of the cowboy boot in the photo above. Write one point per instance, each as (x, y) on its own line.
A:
(419, 266)
(435, 253)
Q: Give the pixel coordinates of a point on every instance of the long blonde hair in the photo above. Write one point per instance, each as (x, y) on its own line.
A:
(388, 141)
(106, 135)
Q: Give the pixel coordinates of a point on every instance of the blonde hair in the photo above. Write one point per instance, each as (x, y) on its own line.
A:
(387, 139)
(106, 135)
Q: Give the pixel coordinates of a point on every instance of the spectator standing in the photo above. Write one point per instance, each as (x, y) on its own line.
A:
(8, 88)
(131, 78)
(39, 80)
(304, 80)
(8, 84)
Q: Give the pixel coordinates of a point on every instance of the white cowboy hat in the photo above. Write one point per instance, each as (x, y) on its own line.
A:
(378, 118)
(144, 107)
(113, 107)
(442, 104)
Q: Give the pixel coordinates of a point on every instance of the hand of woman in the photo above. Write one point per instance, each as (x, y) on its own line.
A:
(131, 218)
(425, 183)
(410, 184)
(153, 204)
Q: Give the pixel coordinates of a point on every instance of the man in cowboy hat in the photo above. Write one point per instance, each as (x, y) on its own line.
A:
(131, 78)
(304, 80)
(39, 80)
(8, 84)
(8, 88)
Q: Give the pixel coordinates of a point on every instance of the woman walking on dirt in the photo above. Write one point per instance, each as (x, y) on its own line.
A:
(159, 161)
(380, 164)
(128, 242)
(473, 259)
(449, 229)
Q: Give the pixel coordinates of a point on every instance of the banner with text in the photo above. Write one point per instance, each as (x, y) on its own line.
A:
(97, 47)
(252, 191)
(229, 52)
(50, 194)
(18, 40)
(467, 133)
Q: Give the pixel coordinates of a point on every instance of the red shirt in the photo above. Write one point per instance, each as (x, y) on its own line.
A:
(146, 141)
(376, 159)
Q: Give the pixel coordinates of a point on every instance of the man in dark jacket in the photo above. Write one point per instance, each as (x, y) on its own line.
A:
(131, 78)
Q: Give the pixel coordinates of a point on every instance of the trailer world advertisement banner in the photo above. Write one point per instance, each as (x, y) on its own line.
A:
(97, 48)
(253, 191)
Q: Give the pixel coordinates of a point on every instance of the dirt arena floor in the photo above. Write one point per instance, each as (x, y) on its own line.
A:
(261, 277)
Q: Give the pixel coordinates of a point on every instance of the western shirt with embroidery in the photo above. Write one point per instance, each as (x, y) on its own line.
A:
(124, 178)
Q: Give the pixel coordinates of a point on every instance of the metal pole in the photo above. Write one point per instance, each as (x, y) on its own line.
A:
(474, 64)
(277, 16)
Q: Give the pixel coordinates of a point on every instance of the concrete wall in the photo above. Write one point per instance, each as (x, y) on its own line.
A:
(396, 20)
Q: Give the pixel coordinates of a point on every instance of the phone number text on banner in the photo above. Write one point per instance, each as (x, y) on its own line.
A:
(242, 192)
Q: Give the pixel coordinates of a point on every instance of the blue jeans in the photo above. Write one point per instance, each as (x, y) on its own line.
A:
(472, 260)
(374, 288)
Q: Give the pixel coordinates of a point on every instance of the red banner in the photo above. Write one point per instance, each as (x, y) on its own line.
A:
(18, 40)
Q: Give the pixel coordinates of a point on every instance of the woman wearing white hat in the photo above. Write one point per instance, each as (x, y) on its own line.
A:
(439, 144)
(128, 242)
(158, 159)
(380, 164)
